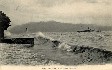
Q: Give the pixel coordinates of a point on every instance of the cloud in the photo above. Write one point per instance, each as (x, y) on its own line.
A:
(73, 11)
(50, 3)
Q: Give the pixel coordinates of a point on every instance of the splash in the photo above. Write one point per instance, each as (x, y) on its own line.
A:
(7, 34)
(40, 34)
(65, 46)
(42, 40)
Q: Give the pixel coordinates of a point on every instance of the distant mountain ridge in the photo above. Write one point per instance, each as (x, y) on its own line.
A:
(53, 26)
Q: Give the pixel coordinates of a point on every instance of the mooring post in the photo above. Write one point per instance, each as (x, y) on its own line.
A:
(1, 33)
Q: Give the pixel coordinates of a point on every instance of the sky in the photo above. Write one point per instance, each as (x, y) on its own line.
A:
(67, 11)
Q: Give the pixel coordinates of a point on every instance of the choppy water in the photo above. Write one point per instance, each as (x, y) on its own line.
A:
(43, 50)
(93, 39)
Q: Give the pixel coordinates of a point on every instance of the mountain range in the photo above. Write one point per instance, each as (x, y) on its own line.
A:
(53, 26)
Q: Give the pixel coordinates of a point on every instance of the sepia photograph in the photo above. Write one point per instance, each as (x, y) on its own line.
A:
(56, 34)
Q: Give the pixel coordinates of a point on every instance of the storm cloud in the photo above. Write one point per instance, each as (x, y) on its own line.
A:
(72, 11)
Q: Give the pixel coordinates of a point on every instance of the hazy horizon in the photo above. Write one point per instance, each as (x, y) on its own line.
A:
(66, 11)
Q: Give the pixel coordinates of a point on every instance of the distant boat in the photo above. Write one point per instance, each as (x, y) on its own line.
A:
(98, 31)
(88, 30)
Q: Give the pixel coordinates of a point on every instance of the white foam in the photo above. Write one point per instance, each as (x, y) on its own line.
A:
(7, 33)
(40, 34)
(64, 46)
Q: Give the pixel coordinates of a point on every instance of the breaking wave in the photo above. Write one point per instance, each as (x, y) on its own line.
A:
(40, 34)
(41, 39)
(63, 52)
